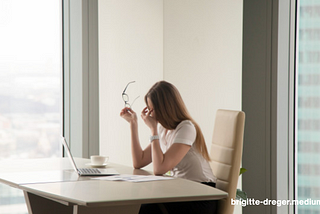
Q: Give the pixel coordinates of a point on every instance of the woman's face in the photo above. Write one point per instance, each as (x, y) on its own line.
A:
(150, 108)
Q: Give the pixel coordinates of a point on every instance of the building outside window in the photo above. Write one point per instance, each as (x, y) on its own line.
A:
(308, 104)
(30, 86)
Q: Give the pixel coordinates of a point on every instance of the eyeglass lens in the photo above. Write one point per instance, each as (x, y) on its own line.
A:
(125, 96)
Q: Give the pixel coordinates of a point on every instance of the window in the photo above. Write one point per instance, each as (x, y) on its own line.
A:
(308, 105)
(30, 86)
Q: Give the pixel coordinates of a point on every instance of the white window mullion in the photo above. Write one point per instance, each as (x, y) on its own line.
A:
(81, 77)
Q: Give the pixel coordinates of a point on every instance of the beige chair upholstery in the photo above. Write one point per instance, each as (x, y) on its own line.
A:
(226, 154)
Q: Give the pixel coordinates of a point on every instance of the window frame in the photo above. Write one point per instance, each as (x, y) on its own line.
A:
(81, 76)
(268, 101)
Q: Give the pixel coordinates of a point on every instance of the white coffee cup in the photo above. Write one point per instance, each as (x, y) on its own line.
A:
(99, 160)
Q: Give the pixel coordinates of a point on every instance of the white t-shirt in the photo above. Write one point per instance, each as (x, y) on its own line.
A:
(193, 166)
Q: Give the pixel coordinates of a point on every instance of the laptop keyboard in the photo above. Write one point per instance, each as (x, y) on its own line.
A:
(89, 171)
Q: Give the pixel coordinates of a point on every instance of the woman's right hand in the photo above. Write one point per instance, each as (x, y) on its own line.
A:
(129, 115)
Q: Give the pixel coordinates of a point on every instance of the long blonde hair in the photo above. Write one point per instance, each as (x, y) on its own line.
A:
(170, 111)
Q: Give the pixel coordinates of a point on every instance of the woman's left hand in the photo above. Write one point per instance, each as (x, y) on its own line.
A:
(149, 120)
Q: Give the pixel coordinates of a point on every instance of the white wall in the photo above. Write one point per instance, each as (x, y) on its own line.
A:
(203, 56)
(131, 48)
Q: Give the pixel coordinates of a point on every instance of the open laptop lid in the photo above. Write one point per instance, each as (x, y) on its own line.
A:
(109, 171)
(66, 147)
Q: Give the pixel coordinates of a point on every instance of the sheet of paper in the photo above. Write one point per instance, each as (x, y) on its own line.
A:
(132, 178)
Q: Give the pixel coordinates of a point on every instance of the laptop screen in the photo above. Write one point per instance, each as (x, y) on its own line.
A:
(66, 147)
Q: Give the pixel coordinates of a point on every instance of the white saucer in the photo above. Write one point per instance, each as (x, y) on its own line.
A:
(96, 165)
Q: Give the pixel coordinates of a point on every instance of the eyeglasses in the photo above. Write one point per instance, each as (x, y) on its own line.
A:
(125, 97)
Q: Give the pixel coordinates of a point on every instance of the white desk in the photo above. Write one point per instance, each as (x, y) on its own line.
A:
(64, 192)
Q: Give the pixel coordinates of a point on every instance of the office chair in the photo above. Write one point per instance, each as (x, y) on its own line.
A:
(226, 154)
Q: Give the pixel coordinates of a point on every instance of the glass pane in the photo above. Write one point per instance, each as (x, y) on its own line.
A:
(30, 86)
(308, 104)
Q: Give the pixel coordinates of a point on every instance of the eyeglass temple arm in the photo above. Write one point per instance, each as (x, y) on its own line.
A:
(134, 101)
(127, 86)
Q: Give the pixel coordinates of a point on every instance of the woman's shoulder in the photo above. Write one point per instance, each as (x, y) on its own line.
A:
(186, 125)
(185, 133)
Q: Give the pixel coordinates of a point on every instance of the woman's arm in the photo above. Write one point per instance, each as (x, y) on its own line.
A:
(140, 157)
(162, 163)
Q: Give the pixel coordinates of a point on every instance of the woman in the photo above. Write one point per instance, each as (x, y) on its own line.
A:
(176, 144)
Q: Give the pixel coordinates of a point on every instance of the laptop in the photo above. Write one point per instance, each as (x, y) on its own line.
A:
(87, 171)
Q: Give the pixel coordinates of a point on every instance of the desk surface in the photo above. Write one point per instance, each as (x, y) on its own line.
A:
(104, 193)
(26, 175)
(31, 171)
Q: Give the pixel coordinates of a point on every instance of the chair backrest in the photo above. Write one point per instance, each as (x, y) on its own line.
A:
(226, 154)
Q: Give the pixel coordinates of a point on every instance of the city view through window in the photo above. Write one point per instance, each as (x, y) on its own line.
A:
(30, 86)
(308, 104)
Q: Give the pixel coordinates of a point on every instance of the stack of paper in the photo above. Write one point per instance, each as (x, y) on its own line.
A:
(133, 178)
